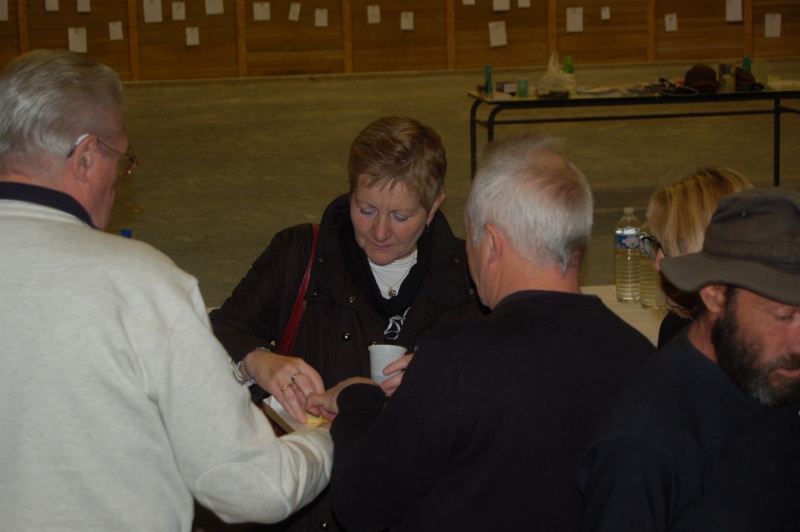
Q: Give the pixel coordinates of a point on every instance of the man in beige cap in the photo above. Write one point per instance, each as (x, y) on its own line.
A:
(707, 435)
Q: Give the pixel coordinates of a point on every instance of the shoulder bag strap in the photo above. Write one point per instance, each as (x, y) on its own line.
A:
(290, 334)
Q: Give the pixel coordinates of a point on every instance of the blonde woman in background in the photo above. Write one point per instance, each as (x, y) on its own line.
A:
(678, 215)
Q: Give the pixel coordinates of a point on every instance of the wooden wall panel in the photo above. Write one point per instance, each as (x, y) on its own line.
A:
(447, 35)
(789, 42)
(623, 36)
(526, 30)
(702, 34)
(384, 47)
(9, 35)
(281, 46)
(163, 53)
(50, 30)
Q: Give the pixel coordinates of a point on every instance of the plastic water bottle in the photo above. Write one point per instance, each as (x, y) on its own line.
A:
(626, 257)
(726, 82)
(650, 289)
(487, 74)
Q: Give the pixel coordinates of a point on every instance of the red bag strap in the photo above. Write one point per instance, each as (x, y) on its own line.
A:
(290, 334)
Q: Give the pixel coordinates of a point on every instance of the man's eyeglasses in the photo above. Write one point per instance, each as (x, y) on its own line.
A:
(648, 244)
(126, 163)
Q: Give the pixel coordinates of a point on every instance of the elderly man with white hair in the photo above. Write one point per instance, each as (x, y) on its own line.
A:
(486, 431)
(118, 404)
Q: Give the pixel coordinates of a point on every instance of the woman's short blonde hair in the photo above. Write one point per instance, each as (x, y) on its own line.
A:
(399, 150)
(678, 214)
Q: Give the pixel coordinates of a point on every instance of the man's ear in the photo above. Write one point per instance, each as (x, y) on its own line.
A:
(714, 297)
(496, 241)
(84, 156)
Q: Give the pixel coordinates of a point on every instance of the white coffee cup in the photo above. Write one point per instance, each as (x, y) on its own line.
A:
(380, 356)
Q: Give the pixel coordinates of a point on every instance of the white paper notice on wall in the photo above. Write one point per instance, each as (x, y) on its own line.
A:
(671, 22)
(469, 2)
(497, 34)
(84, 6)
(605, 13)
(51, 5)
(261, 11)
(374, 14)
(501, 5)
(178, 10)
(574, 19)
(115, 30)
(294, 11)
(77, 40)
(152, 11)
(192, 36)
(215, 7)
(407, 21)
(321, 18)
(772, 25)
(524, 4)
(3, 10)
(733, 10)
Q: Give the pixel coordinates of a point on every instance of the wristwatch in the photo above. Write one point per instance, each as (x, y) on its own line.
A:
(240, 373)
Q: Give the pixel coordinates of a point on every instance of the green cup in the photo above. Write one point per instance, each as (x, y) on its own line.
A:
(522, 87)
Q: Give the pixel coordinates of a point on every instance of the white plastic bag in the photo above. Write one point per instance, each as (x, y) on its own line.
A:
(555, 83)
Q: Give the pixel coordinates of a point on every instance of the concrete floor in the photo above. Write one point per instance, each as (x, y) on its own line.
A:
(225, 164)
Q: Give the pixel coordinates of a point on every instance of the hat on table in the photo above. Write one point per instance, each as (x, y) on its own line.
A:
(752, 241)
(702, 78)
(745, 81)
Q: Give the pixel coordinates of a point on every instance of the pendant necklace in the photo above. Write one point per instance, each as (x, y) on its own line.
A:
(396, 272)
(390, 291)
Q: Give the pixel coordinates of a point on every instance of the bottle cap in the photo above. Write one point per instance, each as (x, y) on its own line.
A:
(628, 210)
(127, 233)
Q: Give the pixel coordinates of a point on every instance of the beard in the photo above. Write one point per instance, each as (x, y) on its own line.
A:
(739, 355)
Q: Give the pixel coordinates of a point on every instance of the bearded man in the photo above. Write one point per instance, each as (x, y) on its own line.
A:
(707, 435)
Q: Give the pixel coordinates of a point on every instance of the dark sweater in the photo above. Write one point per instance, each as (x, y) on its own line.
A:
(487, 429)
(671, 326)
(687, 449)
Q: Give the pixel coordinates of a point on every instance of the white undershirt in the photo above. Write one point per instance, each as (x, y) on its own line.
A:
(394, 274)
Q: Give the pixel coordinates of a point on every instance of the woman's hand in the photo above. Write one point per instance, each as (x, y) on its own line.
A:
(288, 379)
(325, 404)
(390, 385)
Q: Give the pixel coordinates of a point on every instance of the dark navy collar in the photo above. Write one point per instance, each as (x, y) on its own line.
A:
(46, 197)
(550, 295)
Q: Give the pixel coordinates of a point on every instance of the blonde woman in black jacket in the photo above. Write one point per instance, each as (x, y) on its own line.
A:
(387, 269)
